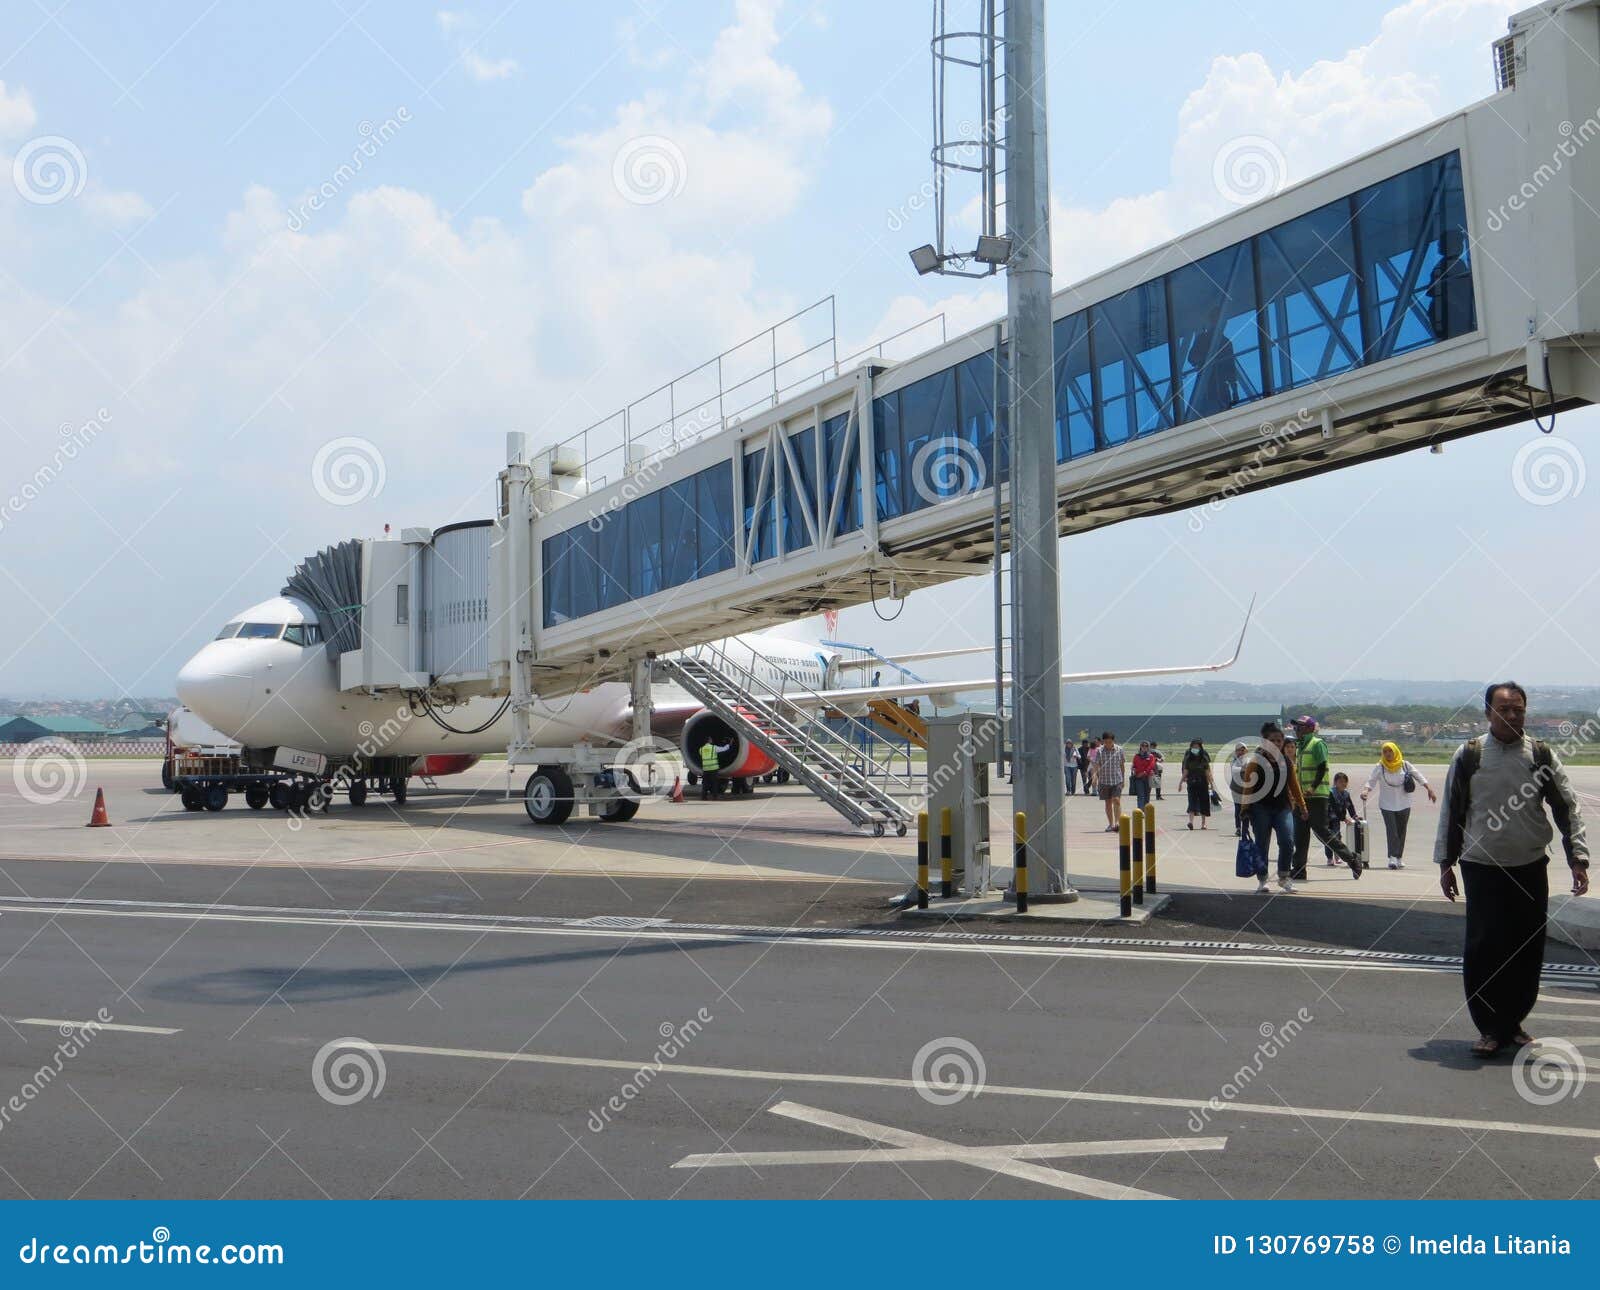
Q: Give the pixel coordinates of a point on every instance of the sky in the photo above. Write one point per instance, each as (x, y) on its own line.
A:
(232, 235)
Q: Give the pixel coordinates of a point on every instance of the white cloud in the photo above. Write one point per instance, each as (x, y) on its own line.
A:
(479, 67)
(17, 116)
(119, 207)
(486, 69)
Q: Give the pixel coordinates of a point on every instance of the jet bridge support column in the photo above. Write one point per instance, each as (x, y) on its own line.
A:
(1036, 654)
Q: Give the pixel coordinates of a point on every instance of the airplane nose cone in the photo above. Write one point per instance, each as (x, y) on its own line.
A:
(219, 692)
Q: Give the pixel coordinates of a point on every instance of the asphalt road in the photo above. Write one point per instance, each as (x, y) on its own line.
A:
(526, 1049)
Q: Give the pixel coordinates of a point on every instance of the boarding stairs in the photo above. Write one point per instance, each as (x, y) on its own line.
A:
(791, 728)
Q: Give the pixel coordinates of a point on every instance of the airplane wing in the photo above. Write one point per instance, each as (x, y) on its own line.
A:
(937, 689)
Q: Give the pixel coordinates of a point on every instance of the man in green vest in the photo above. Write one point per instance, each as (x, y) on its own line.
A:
(1316, 782)
(710, 764)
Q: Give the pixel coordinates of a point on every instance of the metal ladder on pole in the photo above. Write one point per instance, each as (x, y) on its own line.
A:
(799, 741)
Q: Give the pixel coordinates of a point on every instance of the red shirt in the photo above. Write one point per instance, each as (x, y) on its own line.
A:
(1144, 764)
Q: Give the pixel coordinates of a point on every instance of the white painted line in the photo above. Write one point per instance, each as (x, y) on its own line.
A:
(919, 1155)
(1214, 1105)
(62, 1023)
(997, 1162)
(1566, 1016)
(682, 935)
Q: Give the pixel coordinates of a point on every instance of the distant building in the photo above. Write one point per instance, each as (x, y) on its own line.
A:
(1169, 724)
(1343, 734)
(21, 730)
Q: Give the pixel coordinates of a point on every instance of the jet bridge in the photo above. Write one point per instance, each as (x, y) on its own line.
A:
(1444, 284)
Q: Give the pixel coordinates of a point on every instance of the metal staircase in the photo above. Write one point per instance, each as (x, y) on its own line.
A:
(790, 728)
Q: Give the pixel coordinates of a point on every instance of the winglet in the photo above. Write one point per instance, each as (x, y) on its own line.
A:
(1239, 648)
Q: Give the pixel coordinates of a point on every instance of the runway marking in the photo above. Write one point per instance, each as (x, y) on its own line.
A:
(58, 1022)
(1011, 1161)
(1565, 1016)
(1088, 947)
(1212, 1104)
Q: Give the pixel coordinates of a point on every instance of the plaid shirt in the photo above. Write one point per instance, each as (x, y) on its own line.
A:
(1110, 765)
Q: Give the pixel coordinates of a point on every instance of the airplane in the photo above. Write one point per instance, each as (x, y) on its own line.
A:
(266, 682)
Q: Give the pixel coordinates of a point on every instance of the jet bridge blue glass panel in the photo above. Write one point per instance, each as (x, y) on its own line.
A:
(838, 444)
(759, 510)
(1133, 362)
(1075, 412)
(800, 490)
(1381, 272)
(660, 540)
(1216, 333)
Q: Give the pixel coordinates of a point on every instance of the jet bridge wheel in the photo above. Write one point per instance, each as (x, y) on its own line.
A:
(547, 797)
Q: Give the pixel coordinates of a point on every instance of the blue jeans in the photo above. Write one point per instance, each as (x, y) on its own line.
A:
(1072, 778)
(1266, 821)
(1141, 790)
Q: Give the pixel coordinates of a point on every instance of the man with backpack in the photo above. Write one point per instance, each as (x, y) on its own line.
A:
(1495, 826)
(1316, 782)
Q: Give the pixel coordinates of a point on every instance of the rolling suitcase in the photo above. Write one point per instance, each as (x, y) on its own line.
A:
(1359, 841)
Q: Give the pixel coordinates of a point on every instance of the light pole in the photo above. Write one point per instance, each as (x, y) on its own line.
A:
(1036, 611)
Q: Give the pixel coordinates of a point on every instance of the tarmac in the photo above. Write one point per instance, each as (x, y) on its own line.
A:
(716, 1000)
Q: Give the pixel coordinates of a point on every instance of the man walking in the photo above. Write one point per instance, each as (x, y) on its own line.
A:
(1110, 773)
(1316, 782)
(1494, 825)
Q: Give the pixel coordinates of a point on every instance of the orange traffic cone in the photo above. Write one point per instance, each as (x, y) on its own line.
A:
(677, 789)
(99, 820)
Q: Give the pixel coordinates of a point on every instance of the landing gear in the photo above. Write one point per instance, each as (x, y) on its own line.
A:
(358, 792)
(548, 796)
(397, 790)
(256, 797)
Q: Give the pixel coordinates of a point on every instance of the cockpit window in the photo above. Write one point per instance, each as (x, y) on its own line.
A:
(303, 633)
(229, 629)
(261, 631)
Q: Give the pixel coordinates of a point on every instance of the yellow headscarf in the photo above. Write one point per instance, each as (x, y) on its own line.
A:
(1390, 756)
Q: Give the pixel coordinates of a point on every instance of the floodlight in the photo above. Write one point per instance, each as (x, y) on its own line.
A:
(925, 260)
(992, 250)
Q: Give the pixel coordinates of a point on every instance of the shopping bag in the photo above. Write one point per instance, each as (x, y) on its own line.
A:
(1247, 858)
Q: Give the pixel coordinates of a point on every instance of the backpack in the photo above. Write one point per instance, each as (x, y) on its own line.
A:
(1460, 800)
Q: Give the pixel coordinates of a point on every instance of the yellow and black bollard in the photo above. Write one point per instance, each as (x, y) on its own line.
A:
(1150, 848)
(1136, 827)
(1019, 859)
(1125, 864)
(947, 860)
(922, 859)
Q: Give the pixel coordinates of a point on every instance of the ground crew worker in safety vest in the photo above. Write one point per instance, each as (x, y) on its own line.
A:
(1316, 782)
(710, 764)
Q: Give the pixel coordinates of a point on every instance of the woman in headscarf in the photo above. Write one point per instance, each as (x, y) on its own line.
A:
(1396, 780)
(1196, 771)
